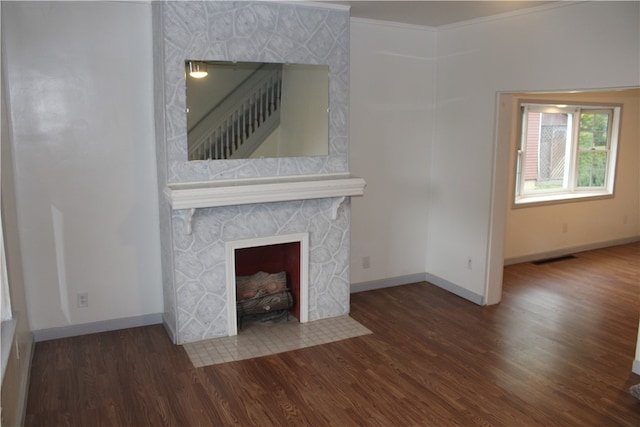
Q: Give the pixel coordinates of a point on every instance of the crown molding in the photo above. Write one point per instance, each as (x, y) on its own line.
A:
(508, 15)
(393, 24)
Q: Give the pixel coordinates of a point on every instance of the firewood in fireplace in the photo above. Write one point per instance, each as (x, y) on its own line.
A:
(262, 294)
(260, 284)
(266, 304)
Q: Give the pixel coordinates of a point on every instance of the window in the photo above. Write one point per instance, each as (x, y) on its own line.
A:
(566, 152)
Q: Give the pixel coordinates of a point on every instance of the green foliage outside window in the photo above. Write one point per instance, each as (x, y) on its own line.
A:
(592, 166)
(592, 158)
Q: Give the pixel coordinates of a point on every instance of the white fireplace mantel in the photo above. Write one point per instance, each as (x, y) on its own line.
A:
(211, 194)
(233, 192)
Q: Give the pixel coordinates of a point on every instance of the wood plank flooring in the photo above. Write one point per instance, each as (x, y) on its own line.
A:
(557, 351)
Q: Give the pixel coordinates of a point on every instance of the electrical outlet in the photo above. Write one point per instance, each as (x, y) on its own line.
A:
(83, 300)
(366, 261)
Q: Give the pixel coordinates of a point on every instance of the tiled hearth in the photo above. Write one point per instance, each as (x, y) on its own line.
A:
(262, 339)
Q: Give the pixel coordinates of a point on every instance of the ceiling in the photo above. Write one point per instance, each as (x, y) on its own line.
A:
(433, 13)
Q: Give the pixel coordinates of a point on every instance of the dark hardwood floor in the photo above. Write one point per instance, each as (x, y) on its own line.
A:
(556, 351)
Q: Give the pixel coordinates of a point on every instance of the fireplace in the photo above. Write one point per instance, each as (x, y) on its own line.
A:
(272, 254)
(207, 207)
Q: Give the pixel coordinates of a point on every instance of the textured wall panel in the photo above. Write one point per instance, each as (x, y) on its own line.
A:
(246, 31)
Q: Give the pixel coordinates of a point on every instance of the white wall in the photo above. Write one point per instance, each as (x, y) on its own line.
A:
(391, 124)
(551, 49)
(80, 80)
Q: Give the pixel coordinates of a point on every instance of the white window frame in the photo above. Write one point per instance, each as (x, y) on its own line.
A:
(571, 191)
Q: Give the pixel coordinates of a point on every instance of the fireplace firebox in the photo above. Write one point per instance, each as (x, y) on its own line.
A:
(280, 263)
(267, 281)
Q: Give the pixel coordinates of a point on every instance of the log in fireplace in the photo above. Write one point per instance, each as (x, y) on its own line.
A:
(262, 295)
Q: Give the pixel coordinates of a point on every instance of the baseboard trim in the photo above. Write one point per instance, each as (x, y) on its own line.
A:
(571, 250)
(415, 278)
(95, 327)
(636, 367)
(170, 331)
(455, 289)
(387, 283)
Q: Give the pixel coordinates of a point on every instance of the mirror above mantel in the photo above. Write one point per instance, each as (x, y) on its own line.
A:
(243, 110)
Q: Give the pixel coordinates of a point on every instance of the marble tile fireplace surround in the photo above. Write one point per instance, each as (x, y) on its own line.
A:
(209, 208)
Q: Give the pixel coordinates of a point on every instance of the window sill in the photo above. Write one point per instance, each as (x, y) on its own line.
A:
(556, 199)
(8, 333)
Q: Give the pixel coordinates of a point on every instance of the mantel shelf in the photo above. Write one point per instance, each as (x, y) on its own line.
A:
(262, 190)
